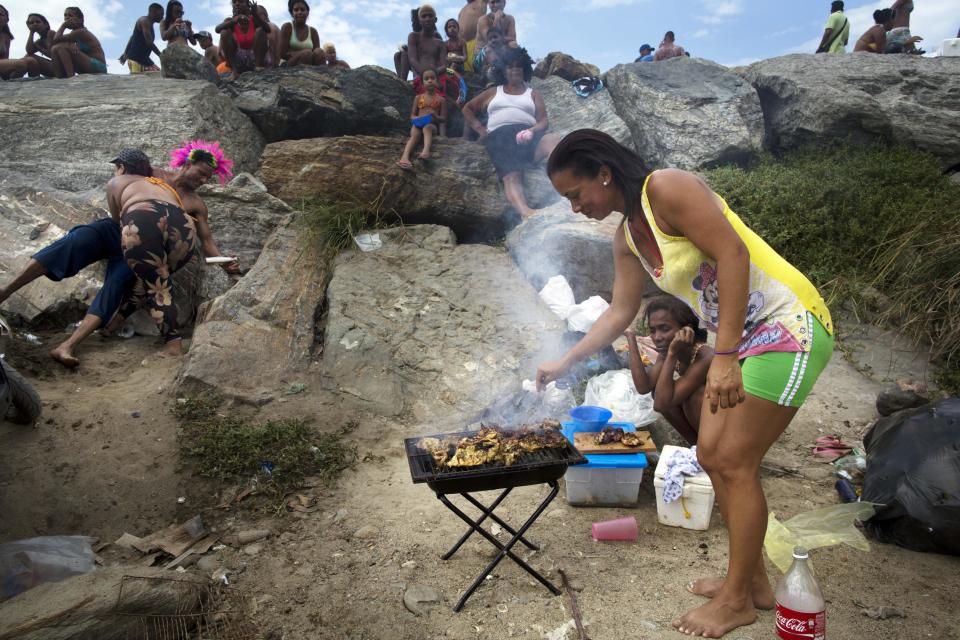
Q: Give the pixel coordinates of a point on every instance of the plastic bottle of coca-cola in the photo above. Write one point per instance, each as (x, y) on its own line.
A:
(801, 610)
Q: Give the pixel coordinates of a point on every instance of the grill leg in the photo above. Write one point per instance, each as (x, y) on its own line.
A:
(487, 511)
(504, 548)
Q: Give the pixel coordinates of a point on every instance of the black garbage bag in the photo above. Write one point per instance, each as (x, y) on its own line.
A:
(913, 468)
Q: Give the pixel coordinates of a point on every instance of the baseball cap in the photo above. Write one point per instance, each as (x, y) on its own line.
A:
(645, 46)
(204, 34)
(135, 160)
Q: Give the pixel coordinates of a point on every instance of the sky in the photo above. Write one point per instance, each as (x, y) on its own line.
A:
(601, 32)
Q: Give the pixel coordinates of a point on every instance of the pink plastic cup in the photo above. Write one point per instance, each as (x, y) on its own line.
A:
(621, 529)
(525, 136)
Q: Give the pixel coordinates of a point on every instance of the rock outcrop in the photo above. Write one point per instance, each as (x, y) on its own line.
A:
(262, 329)
(568, 111)
(426, 328)
(560, 242)
(687, 113)
(183, 63)
(242, 218)
(457, 189)
(65, 132)
(564, 66)
(311, 102)
(863, 97)
(30, 220)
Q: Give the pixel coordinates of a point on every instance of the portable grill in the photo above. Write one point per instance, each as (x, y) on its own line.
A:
(544, 466)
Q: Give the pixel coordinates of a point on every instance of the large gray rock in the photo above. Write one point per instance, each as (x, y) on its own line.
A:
(264, 327)
(560, 242)
(311, 102)
(242, 218)
(687, 112)
(62, 133)
(30, 220)
(183, 63)
(458, 188)
(426, 328)
(862, 96)
(568, 111)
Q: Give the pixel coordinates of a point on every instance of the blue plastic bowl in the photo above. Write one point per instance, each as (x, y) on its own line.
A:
(589, 418)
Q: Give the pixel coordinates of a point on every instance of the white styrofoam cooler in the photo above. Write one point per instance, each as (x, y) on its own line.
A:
(693, 509)
(607, 480)
(951, 48)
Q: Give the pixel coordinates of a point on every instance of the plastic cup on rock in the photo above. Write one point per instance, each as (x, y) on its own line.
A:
(620, 530)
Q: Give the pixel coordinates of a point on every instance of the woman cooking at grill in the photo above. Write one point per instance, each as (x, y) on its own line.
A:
(773, 337)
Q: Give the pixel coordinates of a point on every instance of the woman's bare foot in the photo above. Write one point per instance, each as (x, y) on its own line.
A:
(716, 618)
(763, 597)
(424, 155)
(64, 355)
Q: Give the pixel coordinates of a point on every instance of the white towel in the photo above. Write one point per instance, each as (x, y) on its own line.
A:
(682, 463)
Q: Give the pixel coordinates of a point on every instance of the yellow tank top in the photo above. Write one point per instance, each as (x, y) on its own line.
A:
(779, 296)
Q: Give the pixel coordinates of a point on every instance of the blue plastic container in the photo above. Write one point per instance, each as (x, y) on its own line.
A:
(590, 418)
(607, 480)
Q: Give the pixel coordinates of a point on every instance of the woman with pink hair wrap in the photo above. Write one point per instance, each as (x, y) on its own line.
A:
(159, 237)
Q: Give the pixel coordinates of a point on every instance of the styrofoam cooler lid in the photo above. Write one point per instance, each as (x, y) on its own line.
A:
(668, 450)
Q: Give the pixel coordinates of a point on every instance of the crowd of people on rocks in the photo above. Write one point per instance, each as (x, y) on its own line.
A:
(889, 34)
(245, 41)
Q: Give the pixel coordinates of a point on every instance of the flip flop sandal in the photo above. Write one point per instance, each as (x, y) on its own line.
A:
(406, 166)
(830, 448)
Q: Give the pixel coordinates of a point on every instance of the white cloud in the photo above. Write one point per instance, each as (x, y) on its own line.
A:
(700, 33)
(100, 17)
(718, 12)
(589, 5)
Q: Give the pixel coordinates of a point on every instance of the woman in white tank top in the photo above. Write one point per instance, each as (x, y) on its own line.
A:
(515, 135)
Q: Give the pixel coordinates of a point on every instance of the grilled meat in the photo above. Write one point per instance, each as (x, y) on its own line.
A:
(630, 439)
(609, 434)
(496, 445)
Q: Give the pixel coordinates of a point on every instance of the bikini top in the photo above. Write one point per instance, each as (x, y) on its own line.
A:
(163, 183)
(435, 103)
(297, 43)
(244, 39)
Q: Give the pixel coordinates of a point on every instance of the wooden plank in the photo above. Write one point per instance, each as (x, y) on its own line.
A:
(584, 441)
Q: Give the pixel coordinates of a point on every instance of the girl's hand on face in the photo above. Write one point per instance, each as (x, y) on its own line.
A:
(724, 387)
(681, 342)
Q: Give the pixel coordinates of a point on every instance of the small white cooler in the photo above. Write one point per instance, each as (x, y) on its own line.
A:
(951, 48)
(693, 509)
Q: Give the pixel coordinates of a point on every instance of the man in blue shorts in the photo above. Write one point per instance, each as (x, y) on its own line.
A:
(81, 247)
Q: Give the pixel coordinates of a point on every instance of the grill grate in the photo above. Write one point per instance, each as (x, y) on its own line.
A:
(423, 468)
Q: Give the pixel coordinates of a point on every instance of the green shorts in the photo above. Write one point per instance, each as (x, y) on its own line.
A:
(787, 378)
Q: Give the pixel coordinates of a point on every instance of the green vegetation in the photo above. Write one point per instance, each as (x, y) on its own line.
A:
(275, 456)
(860, 220)
(332, 224)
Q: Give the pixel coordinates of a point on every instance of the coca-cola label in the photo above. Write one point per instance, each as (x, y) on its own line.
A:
(800, 625)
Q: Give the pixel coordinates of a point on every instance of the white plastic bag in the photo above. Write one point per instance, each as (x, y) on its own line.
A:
(368, 241)
(614, 390)
(557, 402)
(583, 315)
(559, 296)
(26, 563)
